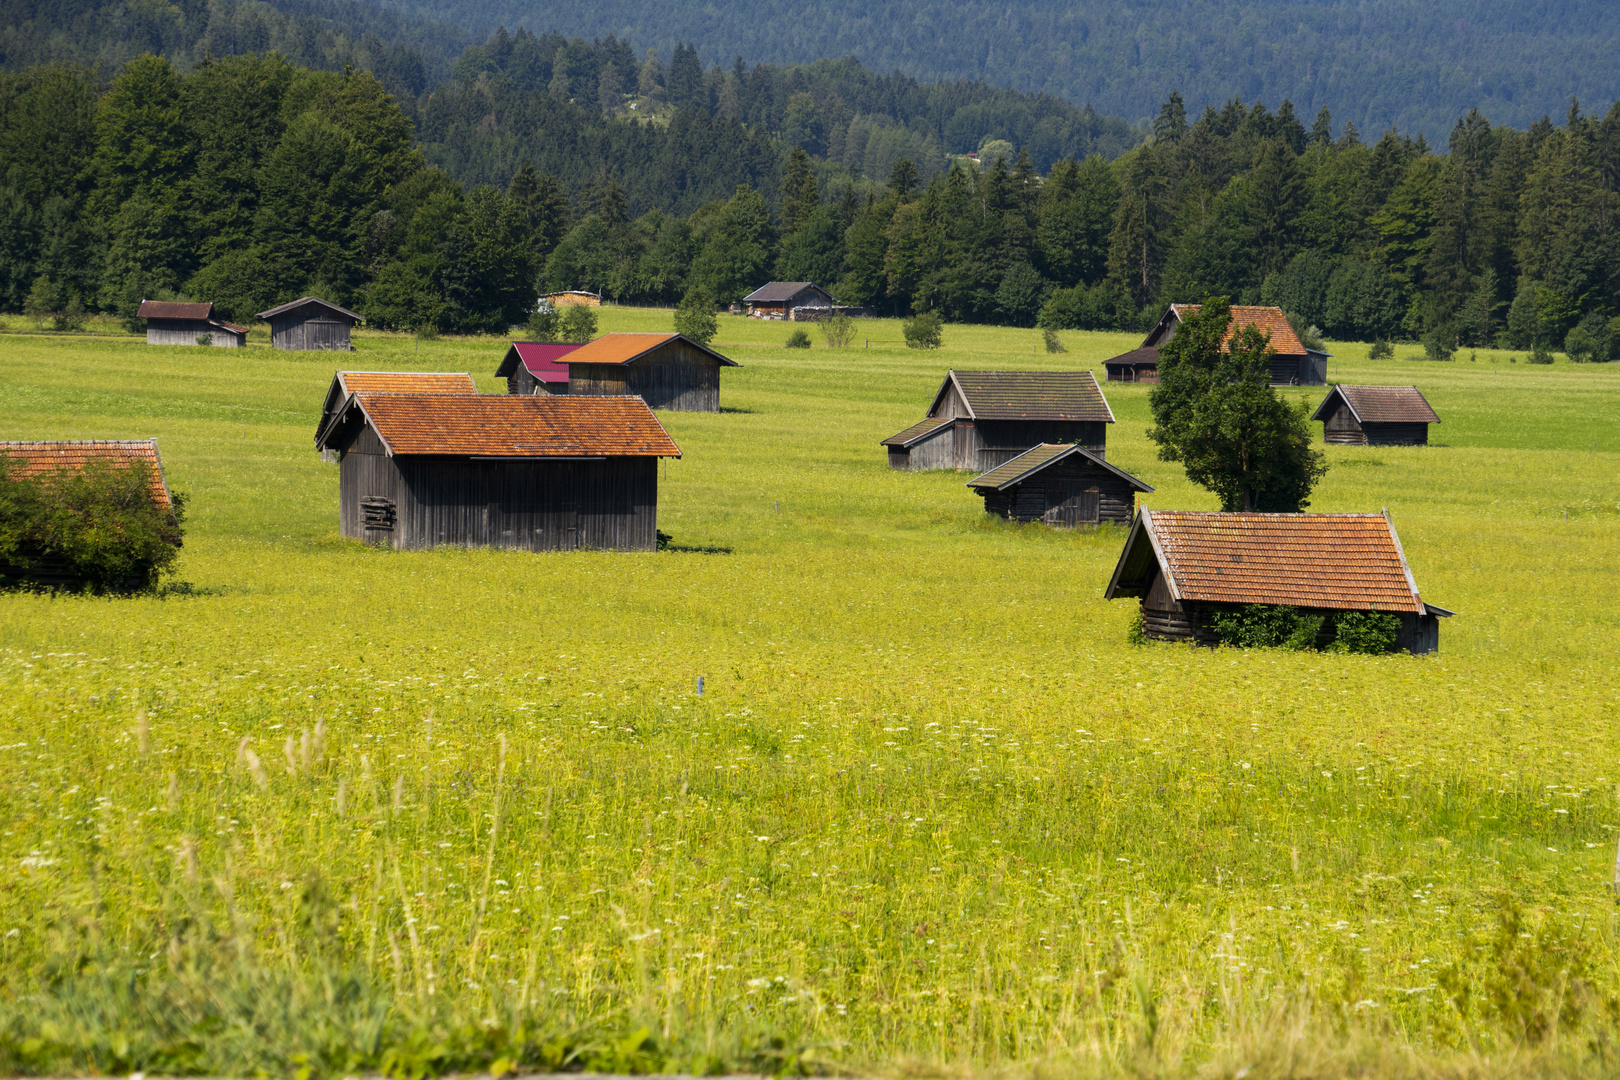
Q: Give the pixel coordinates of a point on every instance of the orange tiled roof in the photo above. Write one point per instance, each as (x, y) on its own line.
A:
(407, 382)
(521, 426)
(40, 458)
(1383, 404)
(1270, 320)
(620, 348)
(1339, 561)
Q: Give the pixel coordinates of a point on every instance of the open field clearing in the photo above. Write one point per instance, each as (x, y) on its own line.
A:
(337, 810)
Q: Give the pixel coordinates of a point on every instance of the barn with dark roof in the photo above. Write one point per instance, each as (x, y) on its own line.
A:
(1376, 416)
(1183, 565)
(667, 371)
(174, 323)
(1060, 484)
(529, 472)
(789, 300)
(981, 419)
(1294, 363)
(535, 367)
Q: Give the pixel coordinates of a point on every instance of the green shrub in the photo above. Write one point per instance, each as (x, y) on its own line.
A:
(798, 340)
(72, 316)
(923, 330)
(1134, 633)
(838, 330)
(95, 528)
(1540, 353)
(1265, 626)
(1440, 343)
(1381, 350)
(205, 339)
(1054, 344)
(694, 318)
(1368, 632)
(578, 323)
(542, 324)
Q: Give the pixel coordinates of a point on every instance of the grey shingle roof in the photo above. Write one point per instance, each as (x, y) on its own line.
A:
(1030, 395)
(1035, 459)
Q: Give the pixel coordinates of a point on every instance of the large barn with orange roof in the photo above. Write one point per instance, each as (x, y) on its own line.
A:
(1295, 363)
(1183, 565)
(528, 472)
(667, 371)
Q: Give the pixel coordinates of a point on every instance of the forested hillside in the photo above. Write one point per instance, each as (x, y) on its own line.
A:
(1410, 63)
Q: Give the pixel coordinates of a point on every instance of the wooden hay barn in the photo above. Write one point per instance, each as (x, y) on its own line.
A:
(1293, 365)
(1376, 416)
(534, 367)
(345, 383)
(982, 419)
(667, 371)
(789, 300)
(173, 323)
(45, 458)
(531, 472)
(310, 323)
(1183, 564)
(1062, 485)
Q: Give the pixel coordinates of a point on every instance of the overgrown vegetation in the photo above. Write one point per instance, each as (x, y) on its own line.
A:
(924, 330)
(1279, 626)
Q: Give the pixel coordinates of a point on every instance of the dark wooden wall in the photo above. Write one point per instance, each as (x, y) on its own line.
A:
(1131, 373)
(304, 329)
(675, 376)
(1397, 434)
(524, 505)
(1065, 495)
(999, 441)
(1298, 371)
(1341, 428)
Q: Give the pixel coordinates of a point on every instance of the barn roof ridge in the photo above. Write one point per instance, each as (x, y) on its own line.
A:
(511, 426)
(1028, 395)
(614, 348)
(1018, 469)
(302, 300)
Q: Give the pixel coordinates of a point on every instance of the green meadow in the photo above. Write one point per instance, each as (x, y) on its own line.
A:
(318, 810)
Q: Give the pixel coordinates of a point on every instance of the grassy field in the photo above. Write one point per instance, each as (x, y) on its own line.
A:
(337, 810)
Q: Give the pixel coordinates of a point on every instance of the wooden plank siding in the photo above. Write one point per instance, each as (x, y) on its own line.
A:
(1342, 429)
(302, 331)
(524, 382)
(1067, 494)
(187, 331)
(675, 376)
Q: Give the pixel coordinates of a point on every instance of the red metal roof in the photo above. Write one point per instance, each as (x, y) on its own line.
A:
(170, 309)
(516, 426)
(539, 358)
(41, 458)
(1336, 561)
(1270, 320)
(1382, 405)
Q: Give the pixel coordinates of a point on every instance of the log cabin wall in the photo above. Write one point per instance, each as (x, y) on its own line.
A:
(366, 472)
(1166, 619)
(1342, 428)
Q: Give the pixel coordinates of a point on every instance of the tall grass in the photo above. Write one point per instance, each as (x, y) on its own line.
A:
(931, 811)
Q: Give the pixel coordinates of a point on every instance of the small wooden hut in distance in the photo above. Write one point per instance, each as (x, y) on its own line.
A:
(535, 367)
(45, 458)
(1062, 485)
(173, 323)
(528, 472)
(1293, 365)
(1376, 416)
(1183, 564)
(788, 300)
(345, 383)
(310, 323)
(572, 298)
(667, 371)
(981, 419)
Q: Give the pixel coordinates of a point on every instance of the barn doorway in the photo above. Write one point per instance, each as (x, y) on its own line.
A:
(1071, 503)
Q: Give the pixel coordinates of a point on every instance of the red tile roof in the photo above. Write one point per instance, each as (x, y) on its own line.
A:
(539, 358)
(1029, 395)
(1336, 561)
(1381, 405)
(1270, 320)
(406, 382)
(169, 309)
(42, 458)
(516, 426)
(626, 348)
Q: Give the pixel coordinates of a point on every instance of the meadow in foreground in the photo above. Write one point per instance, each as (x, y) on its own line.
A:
(336, 809)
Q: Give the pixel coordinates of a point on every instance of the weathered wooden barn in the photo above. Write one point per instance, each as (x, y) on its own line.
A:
(667, 371)
(535, 367)
(1182, 565)
(1061, 484)
(345, 383)
(1293, 364)
(788, 300)
(170, 322)
(310, 323)
(65, 457)
(1376, 416)
(981, 419)
(528, 472)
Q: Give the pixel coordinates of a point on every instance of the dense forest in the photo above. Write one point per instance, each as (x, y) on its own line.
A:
(1411, 64)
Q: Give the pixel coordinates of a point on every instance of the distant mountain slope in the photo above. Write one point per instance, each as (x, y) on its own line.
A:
(1418, 64)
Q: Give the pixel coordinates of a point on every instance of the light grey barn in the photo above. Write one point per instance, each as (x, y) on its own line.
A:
(1063, 485)
(528, 472)
(170, 322)
(310, 323)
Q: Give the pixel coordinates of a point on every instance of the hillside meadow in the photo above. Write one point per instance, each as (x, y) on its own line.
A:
(317, 809)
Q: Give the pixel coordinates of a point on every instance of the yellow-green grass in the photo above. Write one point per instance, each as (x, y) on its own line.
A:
(931, 811)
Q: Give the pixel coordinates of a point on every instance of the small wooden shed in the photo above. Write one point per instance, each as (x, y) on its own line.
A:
(1061, 484)
(65, 457)
(982, 419)
(1376, 416)
(667, 371)
(789, 300)
(528, 472)
(345, 383)
(1292, 365)
(535, 367)
(1183, 564)
(170, 322)
(310, 323)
